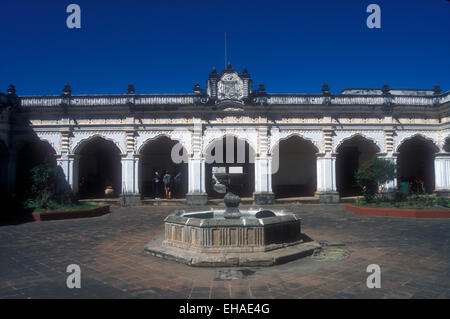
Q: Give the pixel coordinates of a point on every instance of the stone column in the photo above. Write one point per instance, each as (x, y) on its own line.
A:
(442, 174)
(66, 161)
(326, 179)
(326, 170)
(74, 161)
(389, 133)
(391, 186)
(263, 181)
(136, 177)
(196, 178)
(127, 162)
(263, 169)
(196, 168)
(69, 166)
(130, 193)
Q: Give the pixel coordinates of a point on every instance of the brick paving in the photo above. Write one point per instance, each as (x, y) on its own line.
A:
(414, 256)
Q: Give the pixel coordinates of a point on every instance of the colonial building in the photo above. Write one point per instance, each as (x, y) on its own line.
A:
(282, 144)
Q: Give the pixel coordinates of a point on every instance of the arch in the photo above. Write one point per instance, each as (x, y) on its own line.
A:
(446, 146)
(352, 152)
(222, 135)
(84, 141)
(99, 167)
(296, 173)
(240, 165)
(415, 162)
(294, 134)
(357, 135)
(160, 135)
(418, 136)
(156, 154)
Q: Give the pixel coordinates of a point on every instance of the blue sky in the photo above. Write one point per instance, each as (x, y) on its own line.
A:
(165, 46)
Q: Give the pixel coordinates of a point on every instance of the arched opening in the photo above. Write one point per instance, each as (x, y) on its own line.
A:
(447, 145)
(296, 174)
(415, 163)
(99, 169)
(3, 168)
(235, 157)
(31, 154)
(351, 154)
(157, 155)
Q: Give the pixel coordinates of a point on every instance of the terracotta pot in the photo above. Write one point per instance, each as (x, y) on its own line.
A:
(109, 191)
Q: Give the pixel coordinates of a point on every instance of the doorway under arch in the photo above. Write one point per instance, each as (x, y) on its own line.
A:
(157, 154)
(351, 154)
(235, 156)
(297, 173)
(415, 163)
(99, 167)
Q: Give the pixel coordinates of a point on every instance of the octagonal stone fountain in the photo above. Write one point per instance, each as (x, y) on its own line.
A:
(232, 236)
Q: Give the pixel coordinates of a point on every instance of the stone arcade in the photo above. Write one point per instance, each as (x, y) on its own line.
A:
(295, 144)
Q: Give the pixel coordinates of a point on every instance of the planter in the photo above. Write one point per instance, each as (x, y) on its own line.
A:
(109, 191)
(68, 214)
(399, 212)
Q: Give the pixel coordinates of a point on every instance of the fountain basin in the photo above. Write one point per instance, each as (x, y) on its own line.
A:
(207, 238)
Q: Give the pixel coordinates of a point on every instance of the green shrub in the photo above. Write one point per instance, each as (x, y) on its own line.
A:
(373, 174)
(46, 189)
(443, 201)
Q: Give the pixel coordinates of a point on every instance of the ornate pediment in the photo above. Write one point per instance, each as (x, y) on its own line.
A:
(230, 87)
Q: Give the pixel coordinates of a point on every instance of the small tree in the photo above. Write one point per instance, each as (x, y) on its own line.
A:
(46, 190)
(372, 174)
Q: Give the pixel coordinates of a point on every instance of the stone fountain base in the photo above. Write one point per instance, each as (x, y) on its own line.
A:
(209, 238)
(235, 259)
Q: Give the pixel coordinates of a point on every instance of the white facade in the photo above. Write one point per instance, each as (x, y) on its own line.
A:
(230, 107)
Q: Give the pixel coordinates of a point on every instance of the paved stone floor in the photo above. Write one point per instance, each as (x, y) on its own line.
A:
(414, 256)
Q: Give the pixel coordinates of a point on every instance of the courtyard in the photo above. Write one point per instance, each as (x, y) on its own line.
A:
(413, 254)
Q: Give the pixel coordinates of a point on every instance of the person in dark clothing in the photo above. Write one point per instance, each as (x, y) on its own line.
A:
(155, 183)
(167, 179)
(177, 183)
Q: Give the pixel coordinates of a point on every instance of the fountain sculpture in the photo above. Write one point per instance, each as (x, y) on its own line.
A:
(232, 236)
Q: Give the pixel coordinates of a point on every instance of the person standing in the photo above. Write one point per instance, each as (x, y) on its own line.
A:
(167, 180)
(177, 183)
(155, 180)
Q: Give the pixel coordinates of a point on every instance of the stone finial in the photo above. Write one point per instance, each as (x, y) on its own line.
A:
(245, 73)
(197, 88)
(130, 89)
(261, 88)
(437, 90)
(213, 73)
(325, 89)
(12, 89)
(385, 89)
(229, 67)
(67, 91)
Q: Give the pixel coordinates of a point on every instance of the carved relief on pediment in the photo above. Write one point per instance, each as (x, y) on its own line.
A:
(230, 87)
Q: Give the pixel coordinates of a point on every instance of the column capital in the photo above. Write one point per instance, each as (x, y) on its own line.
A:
(442, 155)
(328, 129)
(73, 156)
